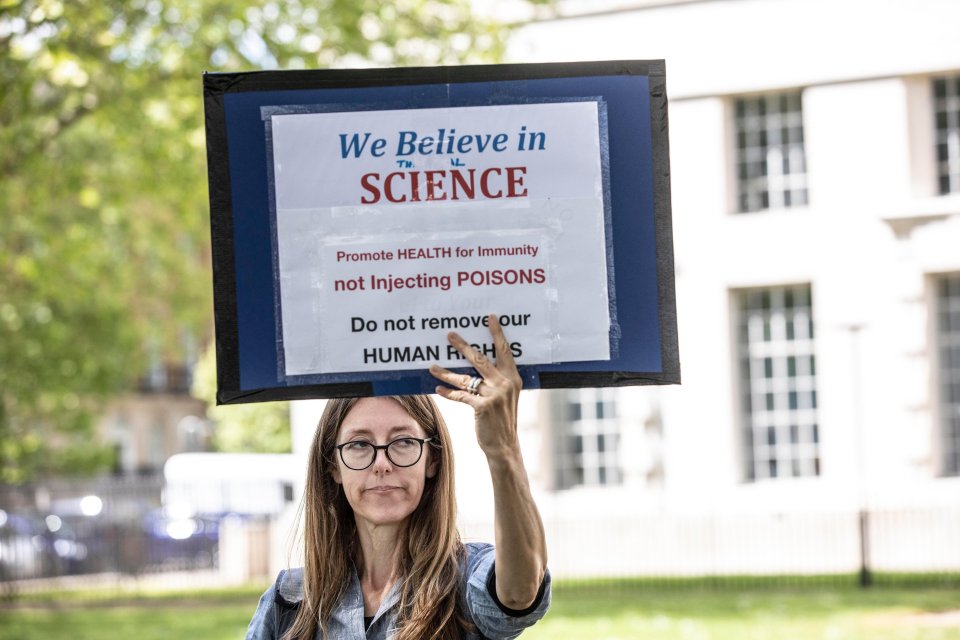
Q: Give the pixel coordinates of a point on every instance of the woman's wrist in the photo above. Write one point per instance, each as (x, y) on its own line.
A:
(505, 457)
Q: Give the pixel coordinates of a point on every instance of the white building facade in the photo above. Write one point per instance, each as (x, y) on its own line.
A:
(815, 158)
(815, 154)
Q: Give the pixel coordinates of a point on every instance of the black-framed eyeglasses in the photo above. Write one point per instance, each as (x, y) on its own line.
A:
(402, 452)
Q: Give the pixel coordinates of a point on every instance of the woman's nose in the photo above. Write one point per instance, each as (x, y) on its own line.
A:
(381, 463)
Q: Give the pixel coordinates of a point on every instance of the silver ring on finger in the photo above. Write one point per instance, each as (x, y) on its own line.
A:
(473, 387)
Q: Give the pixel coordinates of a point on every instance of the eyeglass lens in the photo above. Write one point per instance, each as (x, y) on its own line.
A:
(404, 452)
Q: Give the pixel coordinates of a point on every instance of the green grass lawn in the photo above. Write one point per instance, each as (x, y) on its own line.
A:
(839, 613)
(808, 614)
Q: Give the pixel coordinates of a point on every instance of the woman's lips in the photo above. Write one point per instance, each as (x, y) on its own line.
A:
(382, 489)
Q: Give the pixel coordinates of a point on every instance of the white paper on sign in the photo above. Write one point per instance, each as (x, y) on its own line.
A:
(386, 241)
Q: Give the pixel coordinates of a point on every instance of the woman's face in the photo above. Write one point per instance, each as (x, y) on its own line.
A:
(383, 493)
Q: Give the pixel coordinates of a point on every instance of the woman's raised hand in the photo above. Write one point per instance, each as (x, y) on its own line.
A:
(494, 396)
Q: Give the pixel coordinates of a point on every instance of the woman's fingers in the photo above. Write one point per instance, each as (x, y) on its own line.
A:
(459, 381)
(456, 380)
(504, 352)
(500, 377)
(480, 362)
(459, 395)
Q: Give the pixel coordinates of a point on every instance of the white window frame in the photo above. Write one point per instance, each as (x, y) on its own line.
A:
(770, 169)
(590, 467)
(776, 363)
(946, 115)
(946, 313)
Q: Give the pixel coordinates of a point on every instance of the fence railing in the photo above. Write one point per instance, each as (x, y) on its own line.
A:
(106, 525)
(116, 529)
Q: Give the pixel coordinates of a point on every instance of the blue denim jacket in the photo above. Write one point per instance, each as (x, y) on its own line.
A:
(494, 621)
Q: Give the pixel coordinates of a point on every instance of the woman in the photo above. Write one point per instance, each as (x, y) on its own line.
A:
(383, 558)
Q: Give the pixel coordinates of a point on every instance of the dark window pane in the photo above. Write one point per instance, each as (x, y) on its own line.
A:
(948, 336)
(764, 452)
(940, 88)
(763, 124)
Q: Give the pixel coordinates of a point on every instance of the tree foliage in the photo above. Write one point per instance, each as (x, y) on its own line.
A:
(104, 246)
(263, 427)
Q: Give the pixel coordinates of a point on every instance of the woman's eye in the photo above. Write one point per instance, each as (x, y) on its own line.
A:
(356, 446)
(404, 443)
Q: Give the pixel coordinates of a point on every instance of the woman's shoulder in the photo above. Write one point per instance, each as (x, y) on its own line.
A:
(278, 606)
(478, 559)
(288, 589)
(477, 548)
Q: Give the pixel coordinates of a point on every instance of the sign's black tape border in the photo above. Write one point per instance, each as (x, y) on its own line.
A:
(216, 85)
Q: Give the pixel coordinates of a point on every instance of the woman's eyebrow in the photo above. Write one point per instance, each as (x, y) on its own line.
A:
(360, 431)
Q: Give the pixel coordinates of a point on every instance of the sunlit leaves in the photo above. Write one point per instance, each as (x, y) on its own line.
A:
(261, 427)
(104, 246)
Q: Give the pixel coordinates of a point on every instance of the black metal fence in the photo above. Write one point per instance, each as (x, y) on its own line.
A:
(107, 525)
(92, 532)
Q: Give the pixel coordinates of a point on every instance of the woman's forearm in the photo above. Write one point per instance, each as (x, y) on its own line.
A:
(521, 547)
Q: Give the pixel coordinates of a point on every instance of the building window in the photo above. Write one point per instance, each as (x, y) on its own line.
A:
(946, 100)
(771, 167)
(778, 382)
(948, 346)
(590, 451)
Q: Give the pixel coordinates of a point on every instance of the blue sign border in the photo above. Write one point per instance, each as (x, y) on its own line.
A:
(245, 291)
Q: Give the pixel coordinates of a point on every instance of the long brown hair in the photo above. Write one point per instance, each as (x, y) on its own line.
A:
(430, 554)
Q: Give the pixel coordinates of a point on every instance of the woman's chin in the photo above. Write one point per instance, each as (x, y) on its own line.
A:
(385, 515)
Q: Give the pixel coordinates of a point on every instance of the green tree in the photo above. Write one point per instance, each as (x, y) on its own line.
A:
(104, 246)
(263, 427)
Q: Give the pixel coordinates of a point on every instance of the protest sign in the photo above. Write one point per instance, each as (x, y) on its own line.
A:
(359, 216)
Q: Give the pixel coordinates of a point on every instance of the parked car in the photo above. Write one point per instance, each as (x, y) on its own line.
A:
(177, 537)
(34, 546)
